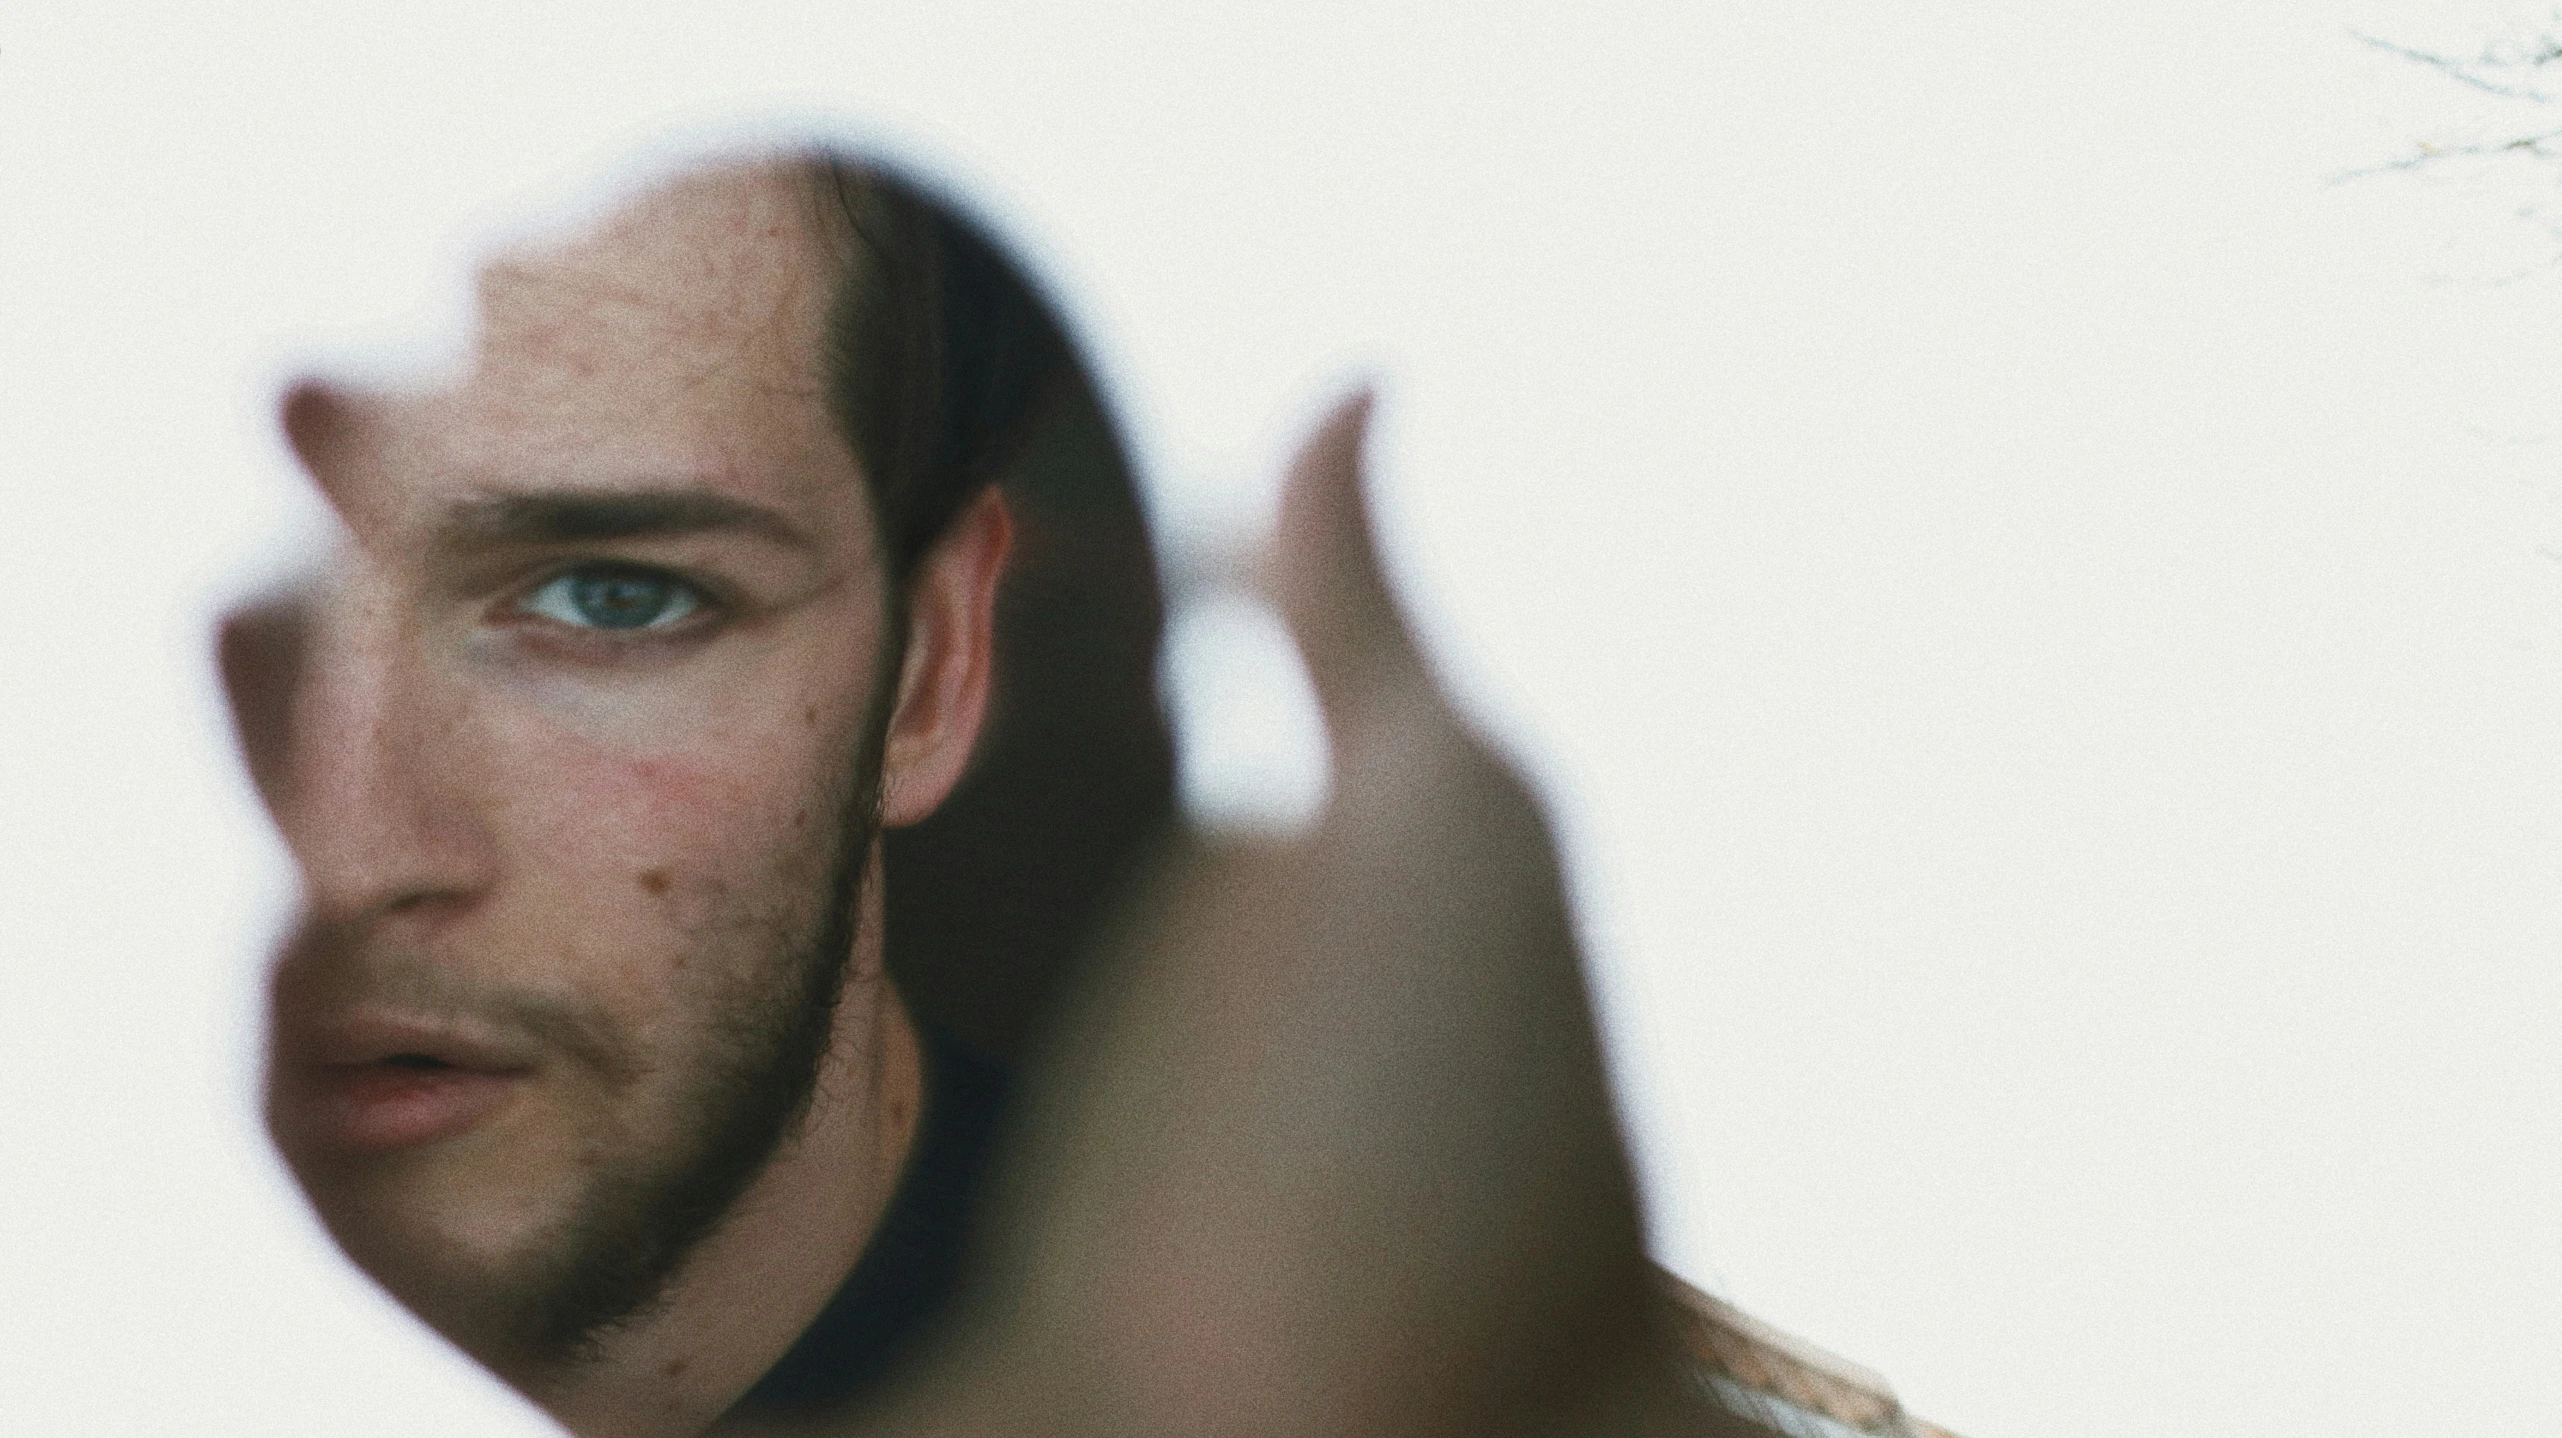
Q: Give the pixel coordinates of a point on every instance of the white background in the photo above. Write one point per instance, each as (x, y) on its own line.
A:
(2041, 618)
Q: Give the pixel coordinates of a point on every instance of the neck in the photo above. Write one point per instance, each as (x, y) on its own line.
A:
(746, 1293)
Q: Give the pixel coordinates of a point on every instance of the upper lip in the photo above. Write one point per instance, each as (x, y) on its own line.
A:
(357, 1038)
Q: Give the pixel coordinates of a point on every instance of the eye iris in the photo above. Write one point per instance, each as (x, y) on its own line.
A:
(620, 601)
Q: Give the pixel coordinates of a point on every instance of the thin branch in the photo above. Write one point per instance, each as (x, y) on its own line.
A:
(2431, 154)
(2469, 72)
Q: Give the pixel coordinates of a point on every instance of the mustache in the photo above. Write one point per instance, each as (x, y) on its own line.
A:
(326, 972)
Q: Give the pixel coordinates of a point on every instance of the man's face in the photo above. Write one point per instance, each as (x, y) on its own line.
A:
(574, 758)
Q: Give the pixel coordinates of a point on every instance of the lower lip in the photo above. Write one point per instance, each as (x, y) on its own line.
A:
(381, 1108)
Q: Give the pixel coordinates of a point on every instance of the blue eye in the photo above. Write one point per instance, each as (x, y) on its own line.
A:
(615, 597)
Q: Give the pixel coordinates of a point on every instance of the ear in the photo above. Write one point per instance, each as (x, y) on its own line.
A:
(951, 643)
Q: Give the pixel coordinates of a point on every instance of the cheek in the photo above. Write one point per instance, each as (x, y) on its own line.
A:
(654, 838)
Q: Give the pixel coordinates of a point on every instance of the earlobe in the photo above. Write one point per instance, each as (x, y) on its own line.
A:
(950, 664)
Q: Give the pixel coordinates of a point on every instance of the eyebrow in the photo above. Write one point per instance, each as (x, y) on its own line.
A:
(571, 516)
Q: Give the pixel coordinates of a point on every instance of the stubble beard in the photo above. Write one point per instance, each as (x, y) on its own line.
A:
(609, 1263)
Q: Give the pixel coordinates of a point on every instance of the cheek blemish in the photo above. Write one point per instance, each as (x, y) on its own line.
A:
(809, 716)
(654, 880)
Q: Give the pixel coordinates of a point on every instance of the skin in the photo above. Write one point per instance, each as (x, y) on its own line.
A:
(570, 863)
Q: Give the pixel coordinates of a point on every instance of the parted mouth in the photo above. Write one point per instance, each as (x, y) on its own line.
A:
(420, 1043)
(370, 1083)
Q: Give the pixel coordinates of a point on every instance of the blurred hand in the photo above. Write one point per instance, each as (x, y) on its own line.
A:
(1324, 1146)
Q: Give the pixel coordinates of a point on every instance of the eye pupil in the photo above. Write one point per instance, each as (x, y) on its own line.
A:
(620, 601)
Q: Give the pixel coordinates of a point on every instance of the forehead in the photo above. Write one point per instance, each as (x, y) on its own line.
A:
(720, 272)
(675, 343)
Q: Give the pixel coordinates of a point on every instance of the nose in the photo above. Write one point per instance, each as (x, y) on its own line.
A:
(352, 750)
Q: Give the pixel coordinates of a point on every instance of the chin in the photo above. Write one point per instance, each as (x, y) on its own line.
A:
(468, 1233)
(449, 1273)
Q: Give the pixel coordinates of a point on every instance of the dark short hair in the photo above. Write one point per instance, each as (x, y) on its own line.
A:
(949, 371)
(940, 352)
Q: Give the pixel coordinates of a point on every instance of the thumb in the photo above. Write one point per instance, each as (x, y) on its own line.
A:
(1323, 575)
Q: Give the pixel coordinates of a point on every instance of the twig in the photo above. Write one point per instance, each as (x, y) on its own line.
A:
(2470, 72)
